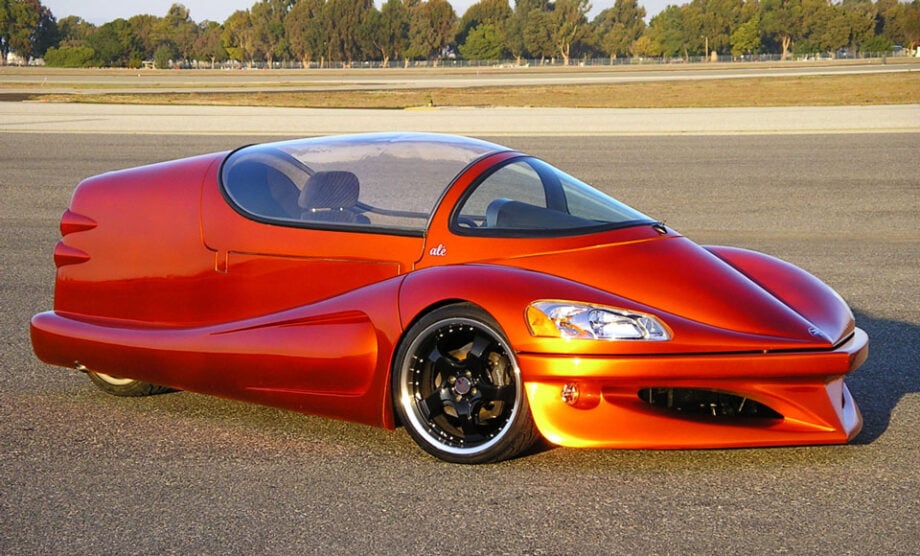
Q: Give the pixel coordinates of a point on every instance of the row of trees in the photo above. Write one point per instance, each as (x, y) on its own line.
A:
(26, 27)
(317, 32)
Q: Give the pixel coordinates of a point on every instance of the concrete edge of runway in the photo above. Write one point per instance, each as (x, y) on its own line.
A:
(37, 117)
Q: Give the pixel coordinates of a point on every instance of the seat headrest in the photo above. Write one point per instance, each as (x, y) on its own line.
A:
(330, 190)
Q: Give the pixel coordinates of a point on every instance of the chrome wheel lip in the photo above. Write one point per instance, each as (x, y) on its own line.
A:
(409, 404)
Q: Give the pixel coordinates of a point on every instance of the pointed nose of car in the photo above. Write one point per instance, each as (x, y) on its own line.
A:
(677, 277)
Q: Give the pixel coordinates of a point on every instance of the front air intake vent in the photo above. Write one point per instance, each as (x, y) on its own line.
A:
(706, 403)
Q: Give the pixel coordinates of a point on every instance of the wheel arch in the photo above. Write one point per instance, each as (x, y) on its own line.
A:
(503, 292)
(468, 346)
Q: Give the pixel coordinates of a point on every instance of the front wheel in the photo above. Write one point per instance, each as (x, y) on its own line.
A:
(457, 388)
(124, 386)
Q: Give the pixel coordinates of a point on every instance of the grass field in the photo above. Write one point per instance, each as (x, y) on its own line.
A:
(836, 90)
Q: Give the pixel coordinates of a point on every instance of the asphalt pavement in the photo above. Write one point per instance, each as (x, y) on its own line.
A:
(86, 473)
(37, 117)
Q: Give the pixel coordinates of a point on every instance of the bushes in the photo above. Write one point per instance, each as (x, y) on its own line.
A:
(70, 57)
(164, 54)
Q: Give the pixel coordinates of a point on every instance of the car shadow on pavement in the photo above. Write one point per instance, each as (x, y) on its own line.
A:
(891, 372)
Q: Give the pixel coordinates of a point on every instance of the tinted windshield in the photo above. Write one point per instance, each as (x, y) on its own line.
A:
(390, 181)
(528, 197)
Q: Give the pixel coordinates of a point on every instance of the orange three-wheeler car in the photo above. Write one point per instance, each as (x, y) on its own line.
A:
(476, 295)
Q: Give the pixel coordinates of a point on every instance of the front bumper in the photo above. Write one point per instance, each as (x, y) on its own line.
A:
(805, 388)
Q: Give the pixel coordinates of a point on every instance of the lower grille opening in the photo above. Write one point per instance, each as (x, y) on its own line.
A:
(711, 403)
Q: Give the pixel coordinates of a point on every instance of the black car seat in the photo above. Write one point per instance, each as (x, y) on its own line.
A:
(331, 197)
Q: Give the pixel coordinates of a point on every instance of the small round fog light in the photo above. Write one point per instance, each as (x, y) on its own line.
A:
(570, 393)
(581, 395)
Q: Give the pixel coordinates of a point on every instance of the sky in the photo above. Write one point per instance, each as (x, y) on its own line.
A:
(103, 11)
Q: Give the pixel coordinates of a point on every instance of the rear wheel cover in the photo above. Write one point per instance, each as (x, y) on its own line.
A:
(128, 387)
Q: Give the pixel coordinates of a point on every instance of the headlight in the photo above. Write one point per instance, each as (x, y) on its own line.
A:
(567, 319)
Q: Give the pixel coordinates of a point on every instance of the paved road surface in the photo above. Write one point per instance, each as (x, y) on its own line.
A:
(210, 120)
(86, 473)
(39, 80)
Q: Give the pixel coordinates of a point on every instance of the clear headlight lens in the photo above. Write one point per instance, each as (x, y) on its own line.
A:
(568, 319)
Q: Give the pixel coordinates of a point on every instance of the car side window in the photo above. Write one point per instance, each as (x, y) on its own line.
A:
(263, 190)
(393, 186)
(517, 181)
(526, 196)
(266, 182)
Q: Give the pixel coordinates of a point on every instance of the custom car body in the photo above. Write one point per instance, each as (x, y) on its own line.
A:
(476, 295)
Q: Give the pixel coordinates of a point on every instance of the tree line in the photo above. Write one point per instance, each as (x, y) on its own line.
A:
(316, 33)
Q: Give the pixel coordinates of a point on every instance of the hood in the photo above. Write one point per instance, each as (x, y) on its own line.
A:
(695, 291)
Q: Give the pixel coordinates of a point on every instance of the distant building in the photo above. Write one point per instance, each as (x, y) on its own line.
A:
(13, 59)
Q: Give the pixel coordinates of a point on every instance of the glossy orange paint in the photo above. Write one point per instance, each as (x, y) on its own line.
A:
(189, 295)
(802, 380)
(160, 279)
(806, 388)
(329, 358)
(139, 237)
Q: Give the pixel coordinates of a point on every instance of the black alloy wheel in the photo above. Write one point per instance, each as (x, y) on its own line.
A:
(457, 388)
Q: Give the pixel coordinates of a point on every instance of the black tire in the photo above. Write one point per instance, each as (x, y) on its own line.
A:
(457, 388)
(125, 386)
